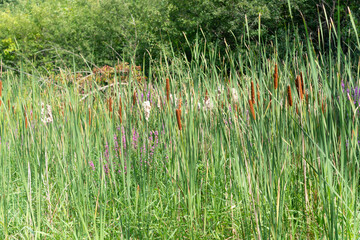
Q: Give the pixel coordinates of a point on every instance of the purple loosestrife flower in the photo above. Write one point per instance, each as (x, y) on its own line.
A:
(91, 163)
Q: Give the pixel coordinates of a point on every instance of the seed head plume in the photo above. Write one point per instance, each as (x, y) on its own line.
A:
(252, 109)
(276, 77)
(289, 96)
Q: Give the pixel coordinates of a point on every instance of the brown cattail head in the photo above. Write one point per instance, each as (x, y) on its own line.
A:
(206, 95)
(252, 92)
(168, 90)
(120, 112)
(289, 96)
(252, 109)
(89, 116)
(134, 98)
(178, 117)
(299, 87)
(258, 93)
(323, 107)
(276, 77)
(110, 104)
(302, 81)
(307, 99)
(26, 120)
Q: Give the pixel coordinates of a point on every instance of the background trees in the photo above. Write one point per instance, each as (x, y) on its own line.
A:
(101, 31)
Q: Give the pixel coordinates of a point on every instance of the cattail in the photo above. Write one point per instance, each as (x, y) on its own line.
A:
(206, 95)
(258, 93)
(307, 99)
(110, 105)
(89, 116)
(26, 120)
(9, 104)
(134, 98)
(289, 96)
(178, 117)
(252, 92)
(297, 110)
(302, 81)
(252, 108)
(120, 113)
(270, 101)
(299, 87)
(168, 90)
(276, 77)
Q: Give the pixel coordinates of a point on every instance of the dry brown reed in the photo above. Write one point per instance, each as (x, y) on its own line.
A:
(276, 77)
(289, 96)
(252, 109)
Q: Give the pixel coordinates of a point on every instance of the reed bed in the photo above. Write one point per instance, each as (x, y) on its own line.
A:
(212, 170)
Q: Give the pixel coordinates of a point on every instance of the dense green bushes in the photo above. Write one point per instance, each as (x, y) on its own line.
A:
(55, 33)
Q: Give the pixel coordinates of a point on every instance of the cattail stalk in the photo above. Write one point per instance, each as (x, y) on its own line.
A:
(252, 108)
(0, 89)
(289, 96)
(26, 120)
(120, 112)
(168, 90)
(276, 77)
(252, 92)
(178, 117)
